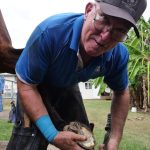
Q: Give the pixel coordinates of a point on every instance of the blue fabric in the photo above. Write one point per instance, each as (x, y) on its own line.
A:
(46, 127)
(2, 82)
(1, 103)
(50, 56)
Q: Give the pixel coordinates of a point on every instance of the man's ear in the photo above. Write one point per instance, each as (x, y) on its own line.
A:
(88, 9)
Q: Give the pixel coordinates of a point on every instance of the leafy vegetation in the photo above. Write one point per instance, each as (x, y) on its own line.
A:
(5, 129)
(139, 64)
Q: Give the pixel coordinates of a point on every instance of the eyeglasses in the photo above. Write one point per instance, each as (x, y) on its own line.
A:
(102, 24)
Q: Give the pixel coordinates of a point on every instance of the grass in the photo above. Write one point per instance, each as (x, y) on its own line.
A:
(5, 127)
(137, 129)
(5, 130)
(136, 133)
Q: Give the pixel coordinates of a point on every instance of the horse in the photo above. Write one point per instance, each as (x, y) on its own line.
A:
(8, 54)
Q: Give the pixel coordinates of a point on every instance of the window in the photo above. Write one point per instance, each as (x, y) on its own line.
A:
(88, 85)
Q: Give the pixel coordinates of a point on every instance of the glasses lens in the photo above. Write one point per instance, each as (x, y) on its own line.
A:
(101, 24)
(118, 36)
(100, 21)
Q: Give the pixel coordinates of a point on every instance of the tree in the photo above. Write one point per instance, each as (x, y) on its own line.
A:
(139, 65)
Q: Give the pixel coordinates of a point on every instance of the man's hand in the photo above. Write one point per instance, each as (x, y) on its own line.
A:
(119, 111)
(67, 140)
(112, 145)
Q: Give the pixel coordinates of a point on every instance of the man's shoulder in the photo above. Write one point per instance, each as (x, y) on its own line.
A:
(121, 46)
(120, 50)
(59, 20)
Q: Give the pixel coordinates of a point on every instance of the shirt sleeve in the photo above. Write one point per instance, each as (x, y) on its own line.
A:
(34, 60)
(117, 79)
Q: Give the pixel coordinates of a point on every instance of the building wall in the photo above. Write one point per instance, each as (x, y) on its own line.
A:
(88, 91)
(10, 87)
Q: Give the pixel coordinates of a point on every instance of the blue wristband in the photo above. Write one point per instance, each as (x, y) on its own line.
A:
(46, 127)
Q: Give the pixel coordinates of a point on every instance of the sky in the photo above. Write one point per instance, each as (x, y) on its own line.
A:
(22, 16)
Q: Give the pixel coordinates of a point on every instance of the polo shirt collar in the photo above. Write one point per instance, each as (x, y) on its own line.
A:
(77, 28)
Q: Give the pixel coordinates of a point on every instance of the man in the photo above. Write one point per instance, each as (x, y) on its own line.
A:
(69, 48)
(12, 113)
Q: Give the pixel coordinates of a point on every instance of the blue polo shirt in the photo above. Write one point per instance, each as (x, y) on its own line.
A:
(50, 56)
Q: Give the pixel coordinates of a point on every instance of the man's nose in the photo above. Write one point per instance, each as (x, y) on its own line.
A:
(105, 35)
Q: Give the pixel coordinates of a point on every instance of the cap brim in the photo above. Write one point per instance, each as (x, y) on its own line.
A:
(120, 13)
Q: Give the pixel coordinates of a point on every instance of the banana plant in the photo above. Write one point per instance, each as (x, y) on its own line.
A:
(139, 50)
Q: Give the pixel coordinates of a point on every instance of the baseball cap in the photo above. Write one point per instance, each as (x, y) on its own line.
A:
(130, 10)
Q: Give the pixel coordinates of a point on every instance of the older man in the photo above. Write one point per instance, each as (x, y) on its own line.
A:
(69, 48)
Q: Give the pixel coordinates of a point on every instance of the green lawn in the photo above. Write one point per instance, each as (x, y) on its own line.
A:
(136, 134)
(5, 129)
(137, 129)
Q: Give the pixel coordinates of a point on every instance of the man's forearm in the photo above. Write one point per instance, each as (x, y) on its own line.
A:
(36, 110)
(119, 111)
(31, 101)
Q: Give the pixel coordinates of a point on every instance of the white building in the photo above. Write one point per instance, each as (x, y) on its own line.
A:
(10, 87)
(88, 91)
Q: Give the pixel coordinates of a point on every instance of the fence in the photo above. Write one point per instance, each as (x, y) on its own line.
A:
(10, 90)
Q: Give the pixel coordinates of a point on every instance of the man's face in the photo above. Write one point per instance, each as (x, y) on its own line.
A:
(101, 32)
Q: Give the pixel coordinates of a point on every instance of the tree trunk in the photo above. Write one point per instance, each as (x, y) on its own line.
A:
(145, 100)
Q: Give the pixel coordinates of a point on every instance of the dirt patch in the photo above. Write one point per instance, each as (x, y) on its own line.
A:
(4, 114)
(3, 145)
